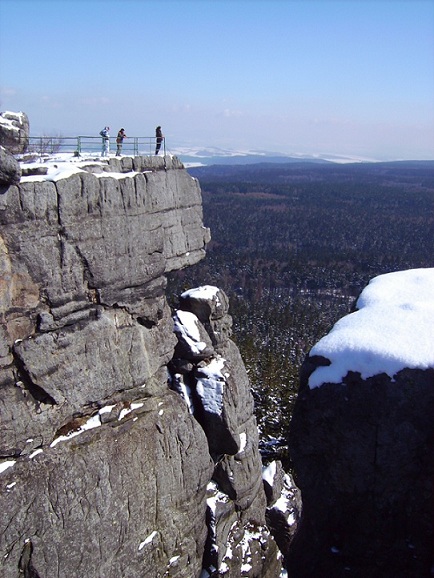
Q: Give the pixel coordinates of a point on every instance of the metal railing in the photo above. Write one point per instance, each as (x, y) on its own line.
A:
(93, 145)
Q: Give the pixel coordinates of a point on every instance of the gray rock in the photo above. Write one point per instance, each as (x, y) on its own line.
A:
(85, 338)
(207, 303)
(284, 506)
(10, 170)
(273, 478)
(217, 391)
(194, 343)
(14, 131)
(33, 171)
(119, 507)
(128, 356)
(104, 470)
(363, 454)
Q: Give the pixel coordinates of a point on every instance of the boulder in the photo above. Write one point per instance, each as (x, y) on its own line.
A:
(10, 170)
(14, 132)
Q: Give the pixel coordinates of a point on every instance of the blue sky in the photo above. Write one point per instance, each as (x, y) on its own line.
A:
(349, 77)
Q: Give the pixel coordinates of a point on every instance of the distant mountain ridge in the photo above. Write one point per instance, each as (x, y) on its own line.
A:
(213, 155)
(299, 169)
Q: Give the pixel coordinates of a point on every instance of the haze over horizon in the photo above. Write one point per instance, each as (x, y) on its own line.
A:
(337, 77)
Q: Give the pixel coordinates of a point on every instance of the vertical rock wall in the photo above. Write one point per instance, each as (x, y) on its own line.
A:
(207, 370)
(362, 441)
(104, 470)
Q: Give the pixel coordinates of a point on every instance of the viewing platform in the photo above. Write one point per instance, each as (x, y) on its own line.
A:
(85, 145)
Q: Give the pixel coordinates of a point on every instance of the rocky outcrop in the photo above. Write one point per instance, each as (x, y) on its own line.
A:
(10, 170)
(14, 138)
(362, 440)
(208, 372)
(284, 506)
(14, 131)
(105, 470)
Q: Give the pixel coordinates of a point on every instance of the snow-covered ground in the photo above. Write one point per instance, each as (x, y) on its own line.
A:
(62, 165)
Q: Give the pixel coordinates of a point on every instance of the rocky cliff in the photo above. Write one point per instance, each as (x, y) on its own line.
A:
(362, 438)
(128, 442)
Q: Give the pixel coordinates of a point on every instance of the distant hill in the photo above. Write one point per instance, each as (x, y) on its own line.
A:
(244, 160)
(214, 155)
(307, 169)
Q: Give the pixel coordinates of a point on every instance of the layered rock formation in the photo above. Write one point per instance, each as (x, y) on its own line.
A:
(362, 439)
(105, 470)
(208, 372)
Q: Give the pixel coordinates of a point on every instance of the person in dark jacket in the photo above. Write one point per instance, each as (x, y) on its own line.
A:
(159, 139)
(119, 141)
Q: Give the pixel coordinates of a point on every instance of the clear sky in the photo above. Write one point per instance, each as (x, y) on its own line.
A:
(349, 77)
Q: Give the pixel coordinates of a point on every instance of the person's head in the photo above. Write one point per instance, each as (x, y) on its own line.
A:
(158, 127)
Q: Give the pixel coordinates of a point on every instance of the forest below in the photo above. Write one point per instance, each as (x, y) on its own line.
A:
(292, 246)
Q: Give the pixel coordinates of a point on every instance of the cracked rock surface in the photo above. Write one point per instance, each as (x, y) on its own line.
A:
(105, 470)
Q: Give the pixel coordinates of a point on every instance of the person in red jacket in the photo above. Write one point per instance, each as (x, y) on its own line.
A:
(119, 141)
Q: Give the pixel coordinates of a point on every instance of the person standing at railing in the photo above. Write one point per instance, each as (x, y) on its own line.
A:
(105, 141)
(119, 141)
(159, 139)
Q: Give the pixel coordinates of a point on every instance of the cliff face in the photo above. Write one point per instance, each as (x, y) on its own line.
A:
(362, 438)
(104, 470)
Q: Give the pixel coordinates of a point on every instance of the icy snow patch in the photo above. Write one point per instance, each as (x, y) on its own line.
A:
(13, 116)
(5, 465)
(126, 410)
(91, 423)
(243, 442)
(186, 324)
(147, 540)
(210, 386)
(269, 473)
(117, 176)
(95, 421)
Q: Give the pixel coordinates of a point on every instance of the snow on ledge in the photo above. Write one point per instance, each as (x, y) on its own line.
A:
(186, 324)
(392, 329)
(269, 473)
(207, 292)
(210, 386)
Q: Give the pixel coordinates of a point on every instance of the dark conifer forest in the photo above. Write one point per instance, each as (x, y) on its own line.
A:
(292, 246)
